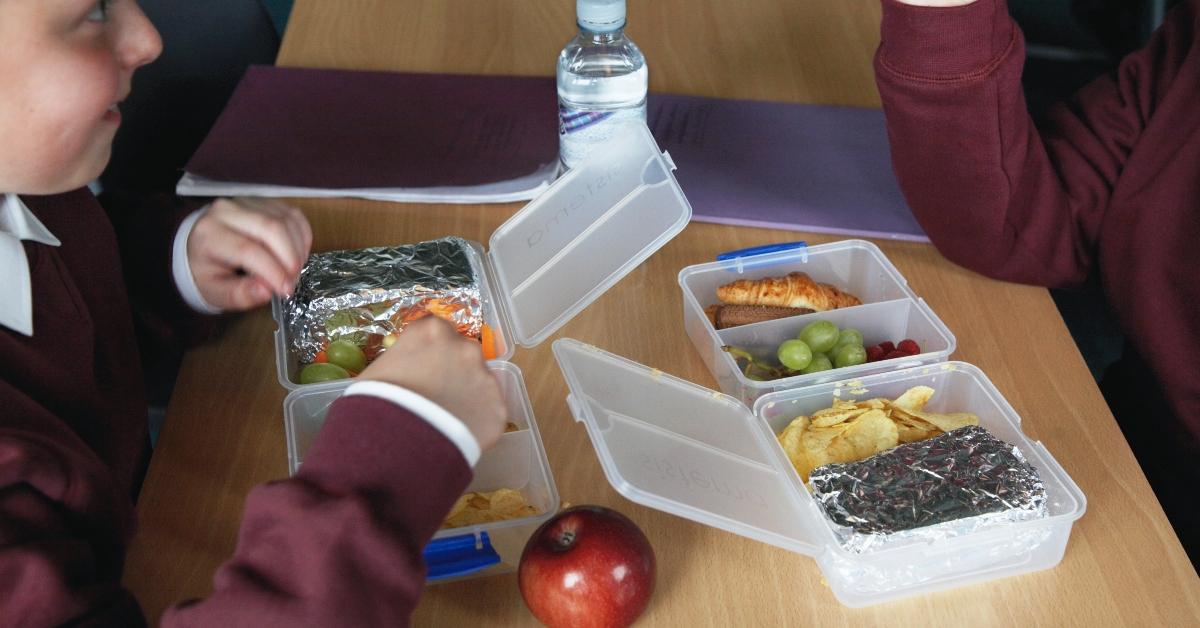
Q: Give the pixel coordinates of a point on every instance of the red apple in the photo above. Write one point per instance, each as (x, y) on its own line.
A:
(588, 566)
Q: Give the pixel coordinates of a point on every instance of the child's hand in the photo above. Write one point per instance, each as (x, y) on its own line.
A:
(433, 360)
(243, 250)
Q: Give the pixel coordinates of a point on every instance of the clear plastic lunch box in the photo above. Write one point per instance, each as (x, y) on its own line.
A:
(565, 248)
(705, 456)
(890, 311)
(543, 266)
(518, 462)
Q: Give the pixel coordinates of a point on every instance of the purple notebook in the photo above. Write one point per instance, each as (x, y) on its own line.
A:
(346, 129)
(785, 166)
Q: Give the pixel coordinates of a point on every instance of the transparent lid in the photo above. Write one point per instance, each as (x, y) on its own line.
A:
(683, 449)
(584, 233)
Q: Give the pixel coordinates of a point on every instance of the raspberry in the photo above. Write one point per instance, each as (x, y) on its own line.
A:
(874, 354)
(887, 347)
(909, 346)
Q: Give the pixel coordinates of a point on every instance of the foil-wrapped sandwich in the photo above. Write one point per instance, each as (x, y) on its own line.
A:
(957, 483)
(367, 296)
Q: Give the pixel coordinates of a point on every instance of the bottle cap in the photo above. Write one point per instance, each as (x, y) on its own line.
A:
(600, 15)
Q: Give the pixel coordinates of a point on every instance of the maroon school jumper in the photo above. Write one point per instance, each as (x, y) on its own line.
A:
(1111, 185)
(338, 545)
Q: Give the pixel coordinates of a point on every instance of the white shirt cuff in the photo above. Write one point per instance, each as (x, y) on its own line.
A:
(182, 270)
(449, 425)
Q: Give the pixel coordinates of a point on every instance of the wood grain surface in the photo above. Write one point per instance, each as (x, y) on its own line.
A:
(224, 432)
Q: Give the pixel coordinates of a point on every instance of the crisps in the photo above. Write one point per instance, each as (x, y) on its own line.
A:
(850, 431)
(914, 398)
(826, 420)
(487, 507)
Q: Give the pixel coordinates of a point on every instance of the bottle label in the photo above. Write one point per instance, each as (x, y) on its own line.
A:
(581, 130)
(575, 120)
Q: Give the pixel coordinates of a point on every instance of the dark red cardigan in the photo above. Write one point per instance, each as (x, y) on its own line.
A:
(340, 544)
(1110, 185)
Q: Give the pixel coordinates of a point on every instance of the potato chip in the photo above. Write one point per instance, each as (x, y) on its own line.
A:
(849, 431)
(873, 404)
(910, 434)
(825, 420)
(789, 439)
(872, 433)
(914, 398)
(948, 422)
(487, 507)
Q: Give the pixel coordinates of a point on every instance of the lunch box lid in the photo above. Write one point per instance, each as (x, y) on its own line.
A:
(681, 448)
(582, 235)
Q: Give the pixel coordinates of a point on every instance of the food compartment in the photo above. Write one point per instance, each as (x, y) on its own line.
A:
(856, 267)
(920, 566)
(890, 312)
(518, 462)
(288, 366)
(890, 321)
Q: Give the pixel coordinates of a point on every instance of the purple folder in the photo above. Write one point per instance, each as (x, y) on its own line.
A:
(785, 166)
(348, 129)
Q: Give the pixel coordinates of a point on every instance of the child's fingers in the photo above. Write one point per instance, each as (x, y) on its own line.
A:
(301, 233)
(234, 251)
(294, 219)
(269, 230)
(248, 292)
(297, 221)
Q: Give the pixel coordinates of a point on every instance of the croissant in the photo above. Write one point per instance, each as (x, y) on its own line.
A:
(795, 290)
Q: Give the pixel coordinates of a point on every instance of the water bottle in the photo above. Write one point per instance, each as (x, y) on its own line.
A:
(601, 81)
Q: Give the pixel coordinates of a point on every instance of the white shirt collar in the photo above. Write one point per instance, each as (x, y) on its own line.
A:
(17, 223)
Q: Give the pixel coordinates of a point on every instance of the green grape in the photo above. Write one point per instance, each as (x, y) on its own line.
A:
(322, 372)
(820, 336)
(347, 355)
(794, 354)
(849, 336)
(820, 362)
(849, 355)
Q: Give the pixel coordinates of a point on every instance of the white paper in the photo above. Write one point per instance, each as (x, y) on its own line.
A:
(519, 189)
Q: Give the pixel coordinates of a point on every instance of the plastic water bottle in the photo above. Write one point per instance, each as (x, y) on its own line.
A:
(601, 80)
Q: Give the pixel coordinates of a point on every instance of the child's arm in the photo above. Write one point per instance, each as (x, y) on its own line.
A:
(340, 544)
(992, 193)
(337, 545)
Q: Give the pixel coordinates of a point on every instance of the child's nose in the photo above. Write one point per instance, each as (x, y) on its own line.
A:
(141, 42)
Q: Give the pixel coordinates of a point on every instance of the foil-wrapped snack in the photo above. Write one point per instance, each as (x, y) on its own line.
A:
(365, 295)
(950, 485)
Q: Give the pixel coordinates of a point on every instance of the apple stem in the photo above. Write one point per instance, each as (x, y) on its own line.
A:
(566, 539)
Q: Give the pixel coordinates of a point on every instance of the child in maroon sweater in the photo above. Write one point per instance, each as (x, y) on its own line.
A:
(340, 543)
(1110, 186)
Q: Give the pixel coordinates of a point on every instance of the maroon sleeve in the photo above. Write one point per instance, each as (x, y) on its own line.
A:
(145, 226)
(992, 192)
(337, 545)
(64, 525)
(340, 543)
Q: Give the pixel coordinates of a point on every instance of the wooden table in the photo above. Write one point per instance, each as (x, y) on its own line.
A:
(224, 432)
